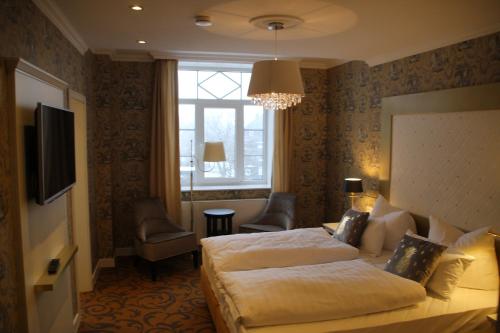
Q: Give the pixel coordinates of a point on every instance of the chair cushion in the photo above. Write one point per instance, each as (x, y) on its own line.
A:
(154, 226)
(259, 228)
(163, 237)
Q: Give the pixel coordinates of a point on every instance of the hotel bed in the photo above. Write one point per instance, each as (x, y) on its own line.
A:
(416, 129)
(466, 310)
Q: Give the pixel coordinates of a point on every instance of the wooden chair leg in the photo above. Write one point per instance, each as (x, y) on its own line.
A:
(137, 260)
(154, 270)
(196, 258)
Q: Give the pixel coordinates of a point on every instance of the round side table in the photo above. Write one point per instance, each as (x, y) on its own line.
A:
(225, 216)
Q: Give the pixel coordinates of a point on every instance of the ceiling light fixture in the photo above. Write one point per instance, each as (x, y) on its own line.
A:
(137, 8)
(276, 84)
(142, 42)
(202, 21)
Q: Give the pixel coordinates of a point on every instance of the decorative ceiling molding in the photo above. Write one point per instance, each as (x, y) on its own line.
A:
(145, 56)
(432, 45)
(57, 17)
(122, 55)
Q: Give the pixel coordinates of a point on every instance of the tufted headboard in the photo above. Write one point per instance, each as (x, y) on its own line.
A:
(441, 156)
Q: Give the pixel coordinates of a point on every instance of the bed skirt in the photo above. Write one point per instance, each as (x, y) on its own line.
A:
(213, 304)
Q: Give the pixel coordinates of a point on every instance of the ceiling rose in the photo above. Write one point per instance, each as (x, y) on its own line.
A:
(303, 19)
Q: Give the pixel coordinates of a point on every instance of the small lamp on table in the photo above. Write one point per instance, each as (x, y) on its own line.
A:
(353, 187)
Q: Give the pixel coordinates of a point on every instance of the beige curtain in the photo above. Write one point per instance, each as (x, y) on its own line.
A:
(282, 178)
(164, 169)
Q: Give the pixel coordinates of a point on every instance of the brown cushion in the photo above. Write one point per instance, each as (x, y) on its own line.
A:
(415, 259)
(351, 227)
(259, 228)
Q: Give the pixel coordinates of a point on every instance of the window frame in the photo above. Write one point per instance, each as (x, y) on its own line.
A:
(199, 180)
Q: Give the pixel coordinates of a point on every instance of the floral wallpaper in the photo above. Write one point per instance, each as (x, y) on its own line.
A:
(355, 95)
(310, 149)
(25, 32)
(9, 282)
(121, 105)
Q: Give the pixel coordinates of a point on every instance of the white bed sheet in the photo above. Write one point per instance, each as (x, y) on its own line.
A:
(466, 310)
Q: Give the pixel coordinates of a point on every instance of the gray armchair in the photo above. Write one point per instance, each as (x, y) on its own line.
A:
(157, 237)
(278, 215)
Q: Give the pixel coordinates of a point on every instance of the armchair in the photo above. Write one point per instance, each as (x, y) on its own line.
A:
(278, 215)
(157, 237)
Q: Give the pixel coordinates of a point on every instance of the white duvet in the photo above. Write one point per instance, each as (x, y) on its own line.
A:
(275, 249)
(278, 296)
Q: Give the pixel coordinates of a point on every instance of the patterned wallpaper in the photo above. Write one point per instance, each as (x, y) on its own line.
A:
(121, 104)
(355, 95)
(25, 32)
(9, 282)
(310, 147)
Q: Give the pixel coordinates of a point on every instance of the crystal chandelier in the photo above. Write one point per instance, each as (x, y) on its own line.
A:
(276, 84)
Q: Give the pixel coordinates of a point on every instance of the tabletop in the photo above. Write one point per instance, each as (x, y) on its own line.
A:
(219, 212)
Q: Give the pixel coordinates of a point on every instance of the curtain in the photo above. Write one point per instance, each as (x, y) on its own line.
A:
(164, 168)
(282, 178)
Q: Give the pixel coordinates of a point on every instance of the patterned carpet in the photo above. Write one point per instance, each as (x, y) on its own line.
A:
(125, 300)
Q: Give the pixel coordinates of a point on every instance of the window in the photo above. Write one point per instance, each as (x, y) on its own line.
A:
(213, 106)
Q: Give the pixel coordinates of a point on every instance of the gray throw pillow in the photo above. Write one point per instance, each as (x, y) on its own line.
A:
(415, 259)
(351, 227)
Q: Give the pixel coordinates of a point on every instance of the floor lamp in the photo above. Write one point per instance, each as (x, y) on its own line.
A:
(213, 152)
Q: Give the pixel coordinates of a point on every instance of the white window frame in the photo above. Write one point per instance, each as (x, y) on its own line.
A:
(238, 181)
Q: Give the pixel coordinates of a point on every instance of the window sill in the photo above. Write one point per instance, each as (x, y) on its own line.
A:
(227, 187)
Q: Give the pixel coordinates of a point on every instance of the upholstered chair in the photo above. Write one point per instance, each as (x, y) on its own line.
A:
(158, 237)
(278, 215)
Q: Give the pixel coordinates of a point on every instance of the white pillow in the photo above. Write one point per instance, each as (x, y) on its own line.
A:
(372, 239)
(382, 207)
(396, 225)
(447, 275)
(442, 232)
(483, 271)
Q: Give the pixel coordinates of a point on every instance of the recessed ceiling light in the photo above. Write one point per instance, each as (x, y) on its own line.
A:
(136, 8)
(202, 21)
(142, 41)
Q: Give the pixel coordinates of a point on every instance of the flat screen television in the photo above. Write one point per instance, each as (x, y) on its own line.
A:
(55, 150)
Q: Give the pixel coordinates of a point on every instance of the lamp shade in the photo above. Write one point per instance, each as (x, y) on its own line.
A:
(278, 76)
(353, 185)
(214, 152)
(276, 84)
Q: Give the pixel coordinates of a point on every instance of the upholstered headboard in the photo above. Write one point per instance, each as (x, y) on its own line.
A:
(441, 156)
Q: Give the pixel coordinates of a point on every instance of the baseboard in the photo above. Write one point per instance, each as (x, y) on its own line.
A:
(101, 263)
(124, 251)
(106, 263)
(76, 323)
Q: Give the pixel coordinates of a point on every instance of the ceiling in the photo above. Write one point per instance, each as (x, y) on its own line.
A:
(335, 31)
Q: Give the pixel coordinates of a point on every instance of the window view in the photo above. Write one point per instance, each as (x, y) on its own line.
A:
(213, 106)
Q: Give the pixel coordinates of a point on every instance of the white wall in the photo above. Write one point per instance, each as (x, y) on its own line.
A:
(80, 196)
(44, 229)
(246, 210)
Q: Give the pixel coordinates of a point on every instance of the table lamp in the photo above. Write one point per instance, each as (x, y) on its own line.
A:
(353, 187)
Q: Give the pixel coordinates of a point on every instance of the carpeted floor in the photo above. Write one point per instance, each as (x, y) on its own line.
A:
(125, 300)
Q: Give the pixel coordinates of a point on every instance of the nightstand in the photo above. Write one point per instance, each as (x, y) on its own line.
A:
(331, 227)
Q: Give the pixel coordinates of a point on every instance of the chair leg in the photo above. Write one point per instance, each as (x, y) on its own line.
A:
(196, 258)
(137, 260)
(154, 270)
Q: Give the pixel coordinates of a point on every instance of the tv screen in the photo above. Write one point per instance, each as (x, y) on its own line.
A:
(55, 132)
